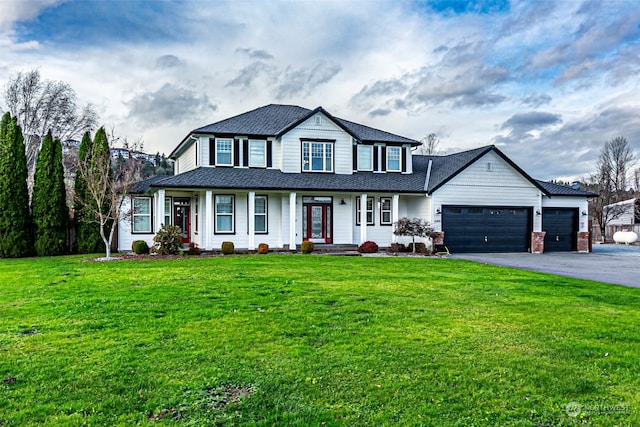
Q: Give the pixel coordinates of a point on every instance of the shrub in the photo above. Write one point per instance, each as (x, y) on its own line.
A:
(194, 249)
(419, 248)
(263, 248)
(140, 247)
(368, 247)
(228, 248)
(168, 240)
(306, 247)
(397, 247)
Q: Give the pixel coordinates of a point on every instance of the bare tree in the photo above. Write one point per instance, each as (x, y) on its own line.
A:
(429, 145)
(105, 192)
(45, 105)
(611, 181)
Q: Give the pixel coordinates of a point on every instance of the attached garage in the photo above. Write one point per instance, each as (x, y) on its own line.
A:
(561, 227)
(487, 228)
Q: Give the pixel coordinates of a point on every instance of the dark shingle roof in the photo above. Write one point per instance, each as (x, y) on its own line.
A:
(272, 179)
(275, 119)
(563, 190)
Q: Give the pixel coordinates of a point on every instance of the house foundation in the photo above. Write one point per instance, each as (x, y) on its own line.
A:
(583, 241)
(537, 242)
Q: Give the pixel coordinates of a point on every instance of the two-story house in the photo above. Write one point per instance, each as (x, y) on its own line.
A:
(282, 174)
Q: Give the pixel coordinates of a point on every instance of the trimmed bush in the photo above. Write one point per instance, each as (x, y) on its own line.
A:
(368, 247)
(306, 247)
(194, 249)
(140, 247)
(168, 240)
(421, 248)
(228, 248)
(263, 248)
(397, 247)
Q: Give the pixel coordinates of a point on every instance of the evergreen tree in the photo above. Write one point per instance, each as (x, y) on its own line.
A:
(49, 207)
(88, 238)
(15, 220)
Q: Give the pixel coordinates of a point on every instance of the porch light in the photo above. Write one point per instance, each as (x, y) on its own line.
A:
(438, 212)
(584, 213)
(538, 212)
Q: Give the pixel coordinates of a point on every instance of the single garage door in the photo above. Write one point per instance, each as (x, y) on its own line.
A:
(561, 225)
(486, 228)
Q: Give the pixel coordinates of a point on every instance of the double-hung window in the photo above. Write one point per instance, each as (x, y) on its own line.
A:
(385, 211)
(167, 211)
(365, 157)
(370, 219)
(393, 159)
(317, 156)
(224, 152)
(142, 215)
(257, 153)
(224, 208)
(260, 214)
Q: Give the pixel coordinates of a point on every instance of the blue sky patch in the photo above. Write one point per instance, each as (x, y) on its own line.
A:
(457, 7)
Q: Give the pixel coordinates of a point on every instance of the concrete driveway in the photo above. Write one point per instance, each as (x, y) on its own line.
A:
(617, 264)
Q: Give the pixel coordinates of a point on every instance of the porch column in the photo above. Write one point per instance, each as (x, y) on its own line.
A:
(160, 210)
(292, 221)
(251, 208)
(394, 216)
(208, 219)
(363, 218)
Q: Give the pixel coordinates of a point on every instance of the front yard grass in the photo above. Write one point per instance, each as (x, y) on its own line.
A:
(312, 340)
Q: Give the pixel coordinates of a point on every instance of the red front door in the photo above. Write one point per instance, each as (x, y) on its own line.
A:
(182, 220)
(317, 223)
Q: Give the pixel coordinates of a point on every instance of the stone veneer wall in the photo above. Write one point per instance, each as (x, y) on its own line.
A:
(537, 242)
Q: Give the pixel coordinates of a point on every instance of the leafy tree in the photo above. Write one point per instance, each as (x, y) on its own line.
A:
(15, 219)
(105, 193)
(49, 205)
(88, 238)
(45, 105)
(416, 227)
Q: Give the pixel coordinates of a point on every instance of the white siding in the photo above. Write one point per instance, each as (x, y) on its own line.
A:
(276, 153)
(501, 185)
(205, 148)
(292, 147)
(187, 160)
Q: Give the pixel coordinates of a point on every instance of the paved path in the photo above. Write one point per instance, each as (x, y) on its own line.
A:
(617, 264)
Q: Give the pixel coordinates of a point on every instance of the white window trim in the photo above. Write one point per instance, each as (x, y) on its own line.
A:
(218, 163)
(264, 152)
(168, 212)
(134, 215)
(327, 168)
(399, 149)
(265, 215)
(382, 211)
(363, 147)
(372, 211)
(232, 214)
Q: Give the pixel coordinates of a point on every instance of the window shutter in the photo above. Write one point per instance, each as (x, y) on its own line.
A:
(375, 158)
(355, 157)
(403, 154)
(212, 151)
(384, 159)
(236, 152)
(245, 153)
(269, 154)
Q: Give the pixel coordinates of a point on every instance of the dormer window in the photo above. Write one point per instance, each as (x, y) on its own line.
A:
(317, 156)
(224, 152)
(393, 159)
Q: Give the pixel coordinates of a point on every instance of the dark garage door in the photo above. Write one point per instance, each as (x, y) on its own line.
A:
(486, 228)
(561, 225)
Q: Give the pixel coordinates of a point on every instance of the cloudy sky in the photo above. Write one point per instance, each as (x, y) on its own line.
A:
(546, 81)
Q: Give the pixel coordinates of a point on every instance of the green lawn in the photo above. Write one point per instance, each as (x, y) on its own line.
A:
(312, 340)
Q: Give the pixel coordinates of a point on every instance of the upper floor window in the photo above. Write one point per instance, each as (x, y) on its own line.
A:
(142, 215)
(317, 156)
(365, 157)
(257, 153)
(393, 159)
(224, 152)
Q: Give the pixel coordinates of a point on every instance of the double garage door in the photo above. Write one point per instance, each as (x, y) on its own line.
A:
(505, 228)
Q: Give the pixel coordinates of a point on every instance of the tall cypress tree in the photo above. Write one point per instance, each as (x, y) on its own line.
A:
(15, 219)
(88, 238)
(49, 207)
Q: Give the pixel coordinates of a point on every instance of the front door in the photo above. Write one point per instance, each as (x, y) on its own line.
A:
(316, 225)
(182, 220)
